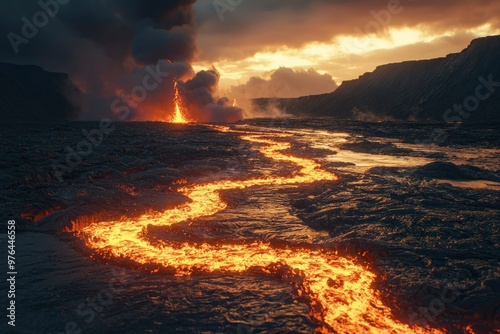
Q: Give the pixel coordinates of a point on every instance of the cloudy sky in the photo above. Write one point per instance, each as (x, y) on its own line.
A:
(340, 38)
(219, 50)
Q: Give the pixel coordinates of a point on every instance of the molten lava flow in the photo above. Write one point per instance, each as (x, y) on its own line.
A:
(340, 291)
(179, 110)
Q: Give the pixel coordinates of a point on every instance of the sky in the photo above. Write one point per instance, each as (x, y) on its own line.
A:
(338, 38)
(219, 51)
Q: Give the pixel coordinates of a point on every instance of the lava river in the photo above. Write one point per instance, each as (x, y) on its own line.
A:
(338, 291)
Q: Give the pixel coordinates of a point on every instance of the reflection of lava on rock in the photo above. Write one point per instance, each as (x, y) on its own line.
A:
(338, 291)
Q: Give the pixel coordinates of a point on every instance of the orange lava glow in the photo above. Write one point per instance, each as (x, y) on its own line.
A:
(340, 292)
(179, 110)
(36, 215)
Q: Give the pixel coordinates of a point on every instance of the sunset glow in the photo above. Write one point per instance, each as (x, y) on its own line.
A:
(232, 166)
(346, 56)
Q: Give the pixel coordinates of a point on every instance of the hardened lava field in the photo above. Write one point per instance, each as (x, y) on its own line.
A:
(266, 226)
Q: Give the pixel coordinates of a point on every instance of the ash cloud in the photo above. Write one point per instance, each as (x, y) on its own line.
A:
(106, 47)
(176, 44)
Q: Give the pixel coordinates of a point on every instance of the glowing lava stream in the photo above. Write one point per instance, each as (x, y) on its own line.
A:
(340, 291)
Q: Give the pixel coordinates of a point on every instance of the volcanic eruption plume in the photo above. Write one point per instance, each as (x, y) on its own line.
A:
(131, 51)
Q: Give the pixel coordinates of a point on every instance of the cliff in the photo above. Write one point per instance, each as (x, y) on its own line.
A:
(30, 94)
(413, 90)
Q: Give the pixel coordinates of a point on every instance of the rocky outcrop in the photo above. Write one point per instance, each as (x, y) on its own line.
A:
(30, 94)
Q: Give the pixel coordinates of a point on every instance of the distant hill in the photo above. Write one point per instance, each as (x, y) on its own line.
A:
(30, 94)
(413, 90)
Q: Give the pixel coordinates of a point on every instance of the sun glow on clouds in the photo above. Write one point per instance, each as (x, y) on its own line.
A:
(320, 56)
(394, 38)
(334, 57)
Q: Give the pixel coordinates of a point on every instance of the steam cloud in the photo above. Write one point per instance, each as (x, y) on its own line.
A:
(109, 47)
(286, 83)
(281, 83)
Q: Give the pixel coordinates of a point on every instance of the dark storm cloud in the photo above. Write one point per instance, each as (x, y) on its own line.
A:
(266, 25)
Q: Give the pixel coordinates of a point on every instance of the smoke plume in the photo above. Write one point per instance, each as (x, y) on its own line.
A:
(126, 50)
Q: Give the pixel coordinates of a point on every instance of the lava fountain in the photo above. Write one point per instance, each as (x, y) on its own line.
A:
(338, 291)
(179, 115)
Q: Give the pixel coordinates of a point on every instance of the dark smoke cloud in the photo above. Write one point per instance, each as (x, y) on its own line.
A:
(206, 80)
(176, 44)
(106, 45)
(201, 91)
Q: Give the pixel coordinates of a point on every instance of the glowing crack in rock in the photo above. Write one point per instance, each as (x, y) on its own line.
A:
(340, 293)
